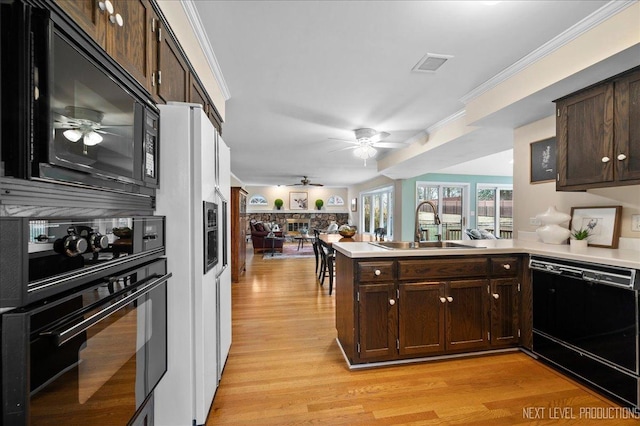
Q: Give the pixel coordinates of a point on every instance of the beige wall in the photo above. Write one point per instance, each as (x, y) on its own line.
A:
(530, 200)
(282, 192)
(177, 18)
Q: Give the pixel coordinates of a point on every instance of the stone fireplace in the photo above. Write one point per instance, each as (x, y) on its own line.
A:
(291, 223)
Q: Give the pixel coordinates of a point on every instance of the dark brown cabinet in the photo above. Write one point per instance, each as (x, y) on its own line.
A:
(172, 77)
(505, 310)
(421, 318)
(89, 16)
(467, 320)
(443, 316)
(123, 28)
(627, 127)
(598, 135)
(417, 307)
(238, 232)
(378, 316)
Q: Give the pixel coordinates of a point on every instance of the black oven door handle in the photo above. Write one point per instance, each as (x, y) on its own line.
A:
(61, 337)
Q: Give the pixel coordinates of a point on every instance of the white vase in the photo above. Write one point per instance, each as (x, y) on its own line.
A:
(578, 244)
(551, 231)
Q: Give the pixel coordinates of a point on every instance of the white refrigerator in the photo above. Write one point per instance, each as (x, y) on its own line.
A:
(193, 197)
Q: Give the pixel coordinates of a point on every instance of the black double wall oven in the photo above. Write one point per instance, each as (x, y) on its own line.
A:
(85, 319)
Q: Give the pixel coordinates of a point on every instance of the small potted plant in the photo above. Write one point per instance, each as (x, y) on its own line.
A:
(278, 202)
(579, 238)
(319, 204)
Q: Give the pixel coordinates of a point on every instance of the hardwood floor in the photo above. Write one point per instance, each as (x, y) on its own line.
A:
(285, 368)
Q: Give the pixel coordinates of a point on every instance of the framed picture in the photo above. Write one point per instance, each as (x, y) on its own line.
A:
(543, 161)
(298, 200)
(603, 224)
(354, 204)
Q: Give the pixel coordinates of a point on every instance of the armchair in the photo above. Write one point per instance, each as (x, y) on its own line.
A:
(260, 243)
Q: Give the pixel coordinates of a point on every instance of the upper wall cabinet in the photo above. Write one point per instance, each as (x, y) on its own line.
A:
(124, 28)
(173, 72)
(598, 135)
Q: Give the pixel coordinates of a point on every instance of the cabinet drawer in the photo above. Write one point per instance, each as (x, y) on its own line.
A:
(376, 271)
(441, 268)
(504, 266)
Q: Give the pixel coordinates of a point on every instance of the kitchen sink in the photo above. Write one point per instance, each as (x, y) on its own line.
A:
(410, 245)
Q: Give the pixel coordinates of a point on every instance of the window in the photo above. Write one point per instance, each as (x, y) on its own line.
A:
(451, 203)
(494, 209)
(377, 211)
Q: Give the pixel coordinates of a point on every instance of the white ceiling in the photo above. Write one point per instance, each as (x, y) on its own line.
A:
(303, 72)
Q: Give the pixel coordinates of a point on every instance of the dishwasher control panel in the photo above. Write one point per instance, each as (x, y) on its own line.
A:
(590, 272)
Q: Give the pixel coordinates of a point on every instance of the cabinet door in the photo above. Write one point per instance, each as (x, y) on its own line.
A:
(129, 44)
(197, 94)
(584, 126)
(421, 311)
(627, 127)
(173, 74)
(467, 314)
(504, 311)
(88, 15)
(378, 318)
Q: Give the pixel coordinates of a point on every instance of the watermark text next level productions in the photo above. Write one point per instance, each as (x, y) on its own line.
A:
(585, 413)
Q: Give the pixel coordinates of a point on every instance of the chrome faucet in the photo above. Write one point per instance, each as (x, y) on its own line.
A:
(436, 219)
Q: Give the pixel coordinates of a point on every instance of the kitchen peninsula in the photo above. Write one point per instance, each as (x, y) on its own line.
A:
(398, 303)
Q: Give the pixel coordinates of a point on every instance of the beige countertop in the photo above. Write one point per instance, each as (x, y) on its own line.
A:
(603, 256)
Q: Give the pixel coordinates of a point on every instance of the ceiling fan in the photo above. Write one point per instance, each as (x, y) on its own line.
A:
(367, 140)
(305, 182)
(81, 123)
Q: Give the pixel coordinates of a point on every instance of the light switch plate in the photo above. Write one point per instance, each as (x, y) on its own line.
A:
(635, 222)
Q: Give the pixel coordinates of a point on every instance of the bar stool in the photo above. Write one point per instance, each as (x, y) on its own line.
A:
(328, 258)
(316, 248)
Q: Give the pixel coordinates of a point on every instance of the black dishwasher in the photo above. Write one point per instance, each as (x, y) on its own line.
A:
(585, 321)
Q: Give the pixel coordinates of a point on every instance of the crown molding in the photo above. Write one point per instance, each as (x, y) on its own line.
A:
(445, 121)
(203, 39)
(596, 18)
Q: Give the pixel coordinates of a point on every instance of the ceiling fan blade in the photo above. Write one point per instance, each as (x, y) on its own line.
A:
(389, 145)
(345, 140)
(316, 184)
(344, 149)
(379, 136)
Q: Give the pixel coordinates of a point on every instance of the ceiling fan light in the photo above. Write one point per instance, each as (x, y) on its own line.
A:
(365, 151)
(72, 134)
(92, 138)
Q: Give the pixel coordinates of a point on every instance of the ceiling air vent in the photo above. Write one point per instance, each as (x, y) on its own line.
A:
(431, 62)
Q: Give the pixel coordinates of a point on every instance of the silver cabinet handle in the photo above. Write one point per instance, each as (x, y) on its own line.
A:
(449, 299)
(443, 300)
(377, 272)
(622, 157)
(496, 296)
(606, 159)
(392, 302)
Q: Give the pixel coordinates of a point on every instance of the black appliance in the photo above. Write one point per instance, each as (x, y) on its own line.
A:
(69, 113)
(210, 235)
(90, 356)
(585, 321)
(42, 257)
